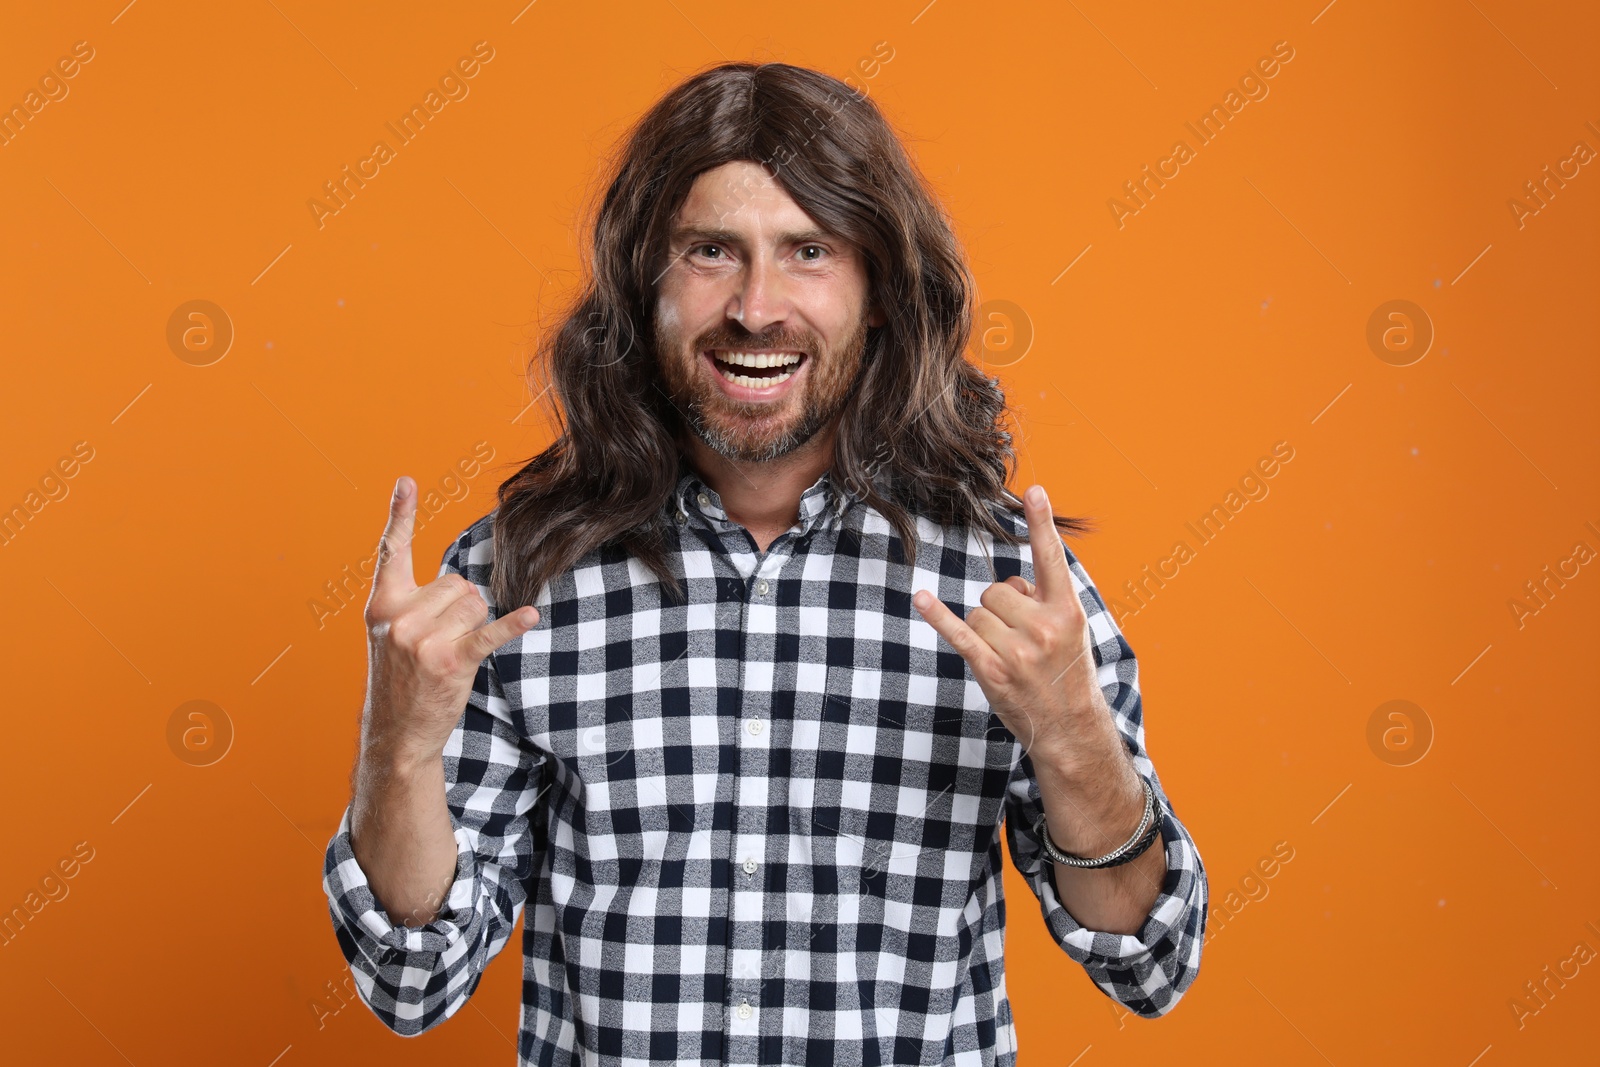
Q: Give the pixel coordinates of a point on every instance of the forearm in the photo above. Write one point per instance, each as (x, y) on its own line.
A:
(422, 876)
(402, 834)
(1093, 800)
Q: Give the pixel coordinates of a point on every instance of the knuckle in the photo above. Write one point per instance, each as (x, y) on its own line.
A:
(434, 655)
(469, 606)
(406, 632)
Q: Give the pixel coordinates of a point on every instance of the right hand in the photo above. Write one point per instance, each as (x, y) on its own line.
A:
(424, 645)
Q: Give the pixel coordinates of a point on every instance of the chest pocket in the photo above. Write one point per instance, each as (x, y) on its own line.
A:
(638, 730)
(893, 767)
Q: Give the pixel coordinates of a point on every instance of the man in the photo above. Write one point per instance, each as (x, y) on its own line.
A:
(757, 656)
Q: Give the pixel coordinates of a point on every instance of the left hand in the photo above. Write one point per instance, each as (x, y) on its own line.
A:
(1028, 647)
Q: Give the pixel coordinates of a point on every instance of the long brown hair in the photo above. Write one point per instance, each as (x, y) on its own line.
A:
(924, 431)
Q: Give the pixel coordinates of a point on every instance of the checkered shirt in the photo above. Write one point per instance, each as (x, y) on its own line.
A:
(759, 827)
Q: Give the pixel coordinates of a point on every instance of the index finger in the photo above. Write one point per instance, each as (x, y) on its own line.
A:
(394, 570)
(1050, 571)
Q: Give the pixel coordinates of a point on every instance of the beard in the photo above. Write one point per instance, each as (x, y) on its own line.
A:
(751, 431)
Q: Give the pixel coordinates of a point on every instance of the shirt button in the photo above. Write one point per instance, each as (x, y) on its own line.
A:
(682, 518)
(761, 587)
(744, 1009)
(703, 500)
(749, 865)
(756, 726)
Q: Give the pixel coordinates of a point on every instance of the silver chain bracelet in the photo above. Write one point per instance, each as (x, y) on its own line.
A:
(1130, 849)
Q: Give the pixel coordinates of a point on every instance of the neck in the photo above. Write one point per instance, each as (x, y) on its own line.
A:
(764, 498)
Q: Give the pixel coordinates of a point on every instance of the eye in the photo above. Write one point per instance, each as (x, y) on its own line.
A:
(818, 249)
(707, 250)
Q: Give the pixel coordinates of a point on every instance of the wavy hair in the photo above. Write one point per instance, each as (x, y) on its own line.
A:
(924, 431)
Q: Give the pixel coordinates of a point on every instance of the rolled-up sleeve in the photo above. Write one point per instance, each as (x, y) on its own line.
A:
(1148, 971)
(415, 977)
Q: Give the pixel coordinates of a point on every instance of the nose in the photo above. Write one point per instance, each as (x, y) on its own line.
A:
(762, 298)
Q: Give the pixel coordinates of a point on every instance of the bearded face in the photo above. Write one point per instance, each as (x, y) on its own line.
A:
(761, 317)
(755, 398)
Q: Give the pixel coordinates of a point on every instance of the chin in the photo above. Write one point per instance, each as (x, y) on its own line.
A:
(736, 442)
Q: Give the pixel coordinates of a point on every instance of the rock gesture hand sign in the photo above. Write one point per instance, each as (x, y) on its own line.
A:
(1028, 646)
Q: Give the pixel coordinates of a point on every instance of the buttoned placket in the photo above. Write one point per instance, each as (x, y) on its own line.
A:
(748, 853)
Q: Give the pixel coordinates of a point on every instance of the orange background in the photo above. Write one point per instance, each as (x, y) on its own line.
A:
(1228, 314)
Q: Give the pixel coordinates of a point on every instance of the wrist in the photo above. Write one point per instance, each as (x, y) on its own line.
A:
(1081, 744)
(1089, 760)
(1095, 811)
(393, 789)
(394, 751)
(1131, 848)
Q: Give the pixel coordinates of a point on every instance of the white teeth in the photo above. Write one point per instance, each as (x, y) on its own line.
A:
(758, 359)
(756, 383)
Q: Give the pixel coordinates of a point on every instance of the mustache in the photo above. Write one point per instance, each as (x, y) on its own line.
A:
(737, 338)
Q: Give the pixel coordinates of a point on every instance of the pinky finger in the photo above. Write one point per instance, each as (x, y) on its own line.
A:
(485, 639)
(962, 637)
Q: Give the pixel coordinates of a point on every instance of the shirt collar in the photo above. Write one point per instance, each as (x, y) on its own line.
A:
(823, 500)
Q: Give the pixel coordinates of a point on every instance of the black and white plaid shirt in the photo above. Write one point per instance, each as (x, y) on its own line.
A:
(761, 827)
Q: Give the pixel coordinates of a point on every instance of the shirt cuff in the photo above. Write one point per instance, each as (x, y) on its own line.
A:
(357, 910)
(1148, 970)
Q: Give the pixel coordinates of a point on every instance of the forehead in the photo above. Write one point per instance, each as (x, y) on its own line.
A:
(739, 194)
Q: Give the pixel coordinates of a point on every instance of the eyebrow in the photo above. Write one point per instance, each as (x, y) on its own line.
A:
(732, 238)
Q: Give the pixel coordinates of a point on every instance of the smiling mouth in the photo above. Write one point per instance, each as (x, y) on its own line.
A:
(756, 370)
